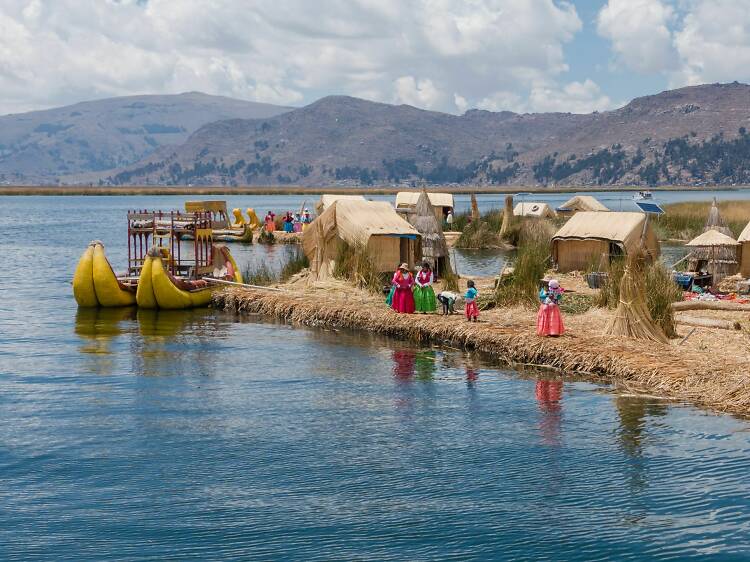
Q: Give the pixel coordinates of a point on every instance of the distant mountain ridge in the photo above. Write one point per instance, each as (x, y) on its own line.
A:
(695, 135)
(111, 133)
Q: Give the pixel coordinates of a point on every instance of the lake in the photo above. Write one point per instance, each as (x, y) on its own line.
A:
(195, 435)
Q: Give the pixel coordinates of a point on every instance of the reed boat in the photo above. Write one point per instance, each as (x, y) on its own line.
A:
(225, 230)
(158, 287)
(161, 274)
(96, 284)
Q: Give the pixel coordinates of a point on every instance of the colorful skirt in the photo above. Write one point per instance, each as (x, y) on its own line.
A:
(403, 301)
(472, 310)
(389, 298)
(424, 299)
(549, 321)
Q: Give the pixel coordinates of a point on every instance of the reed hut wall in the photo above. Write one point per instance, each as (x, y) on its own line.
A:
(434, 246)
(374, 225)
(592, 238)
(745, 260)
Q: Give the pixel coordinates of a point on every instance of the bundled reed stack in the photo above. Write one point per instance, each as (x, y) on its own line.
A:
(714, 221)
(507, 215)
(434, 246)
(475, 216)
(632, 318)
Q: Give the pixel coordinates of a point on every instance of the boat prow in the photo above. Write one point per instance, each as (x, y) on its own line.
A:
(95, 282)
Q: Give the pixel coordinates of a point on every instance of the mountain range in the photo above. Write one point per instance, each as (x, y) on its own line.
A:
(690, 136)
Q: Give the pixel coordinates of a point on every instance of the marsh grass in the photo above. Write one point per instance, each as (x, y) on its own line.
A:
(685, 221)
(355, 264)
(266, 237)
(259, 273)
(531, 263)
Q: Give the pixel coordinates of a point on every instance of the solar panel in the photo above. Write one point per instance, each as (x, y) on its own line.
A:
(649, 207)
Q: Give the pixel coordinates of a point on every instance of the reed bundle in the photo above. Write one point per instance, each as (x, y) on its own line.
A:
(632, 318)
(656, 368)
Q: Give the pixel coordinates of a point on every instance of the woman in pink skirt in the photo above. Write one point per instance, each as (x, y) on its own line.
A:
(403, 298)
(548, 320)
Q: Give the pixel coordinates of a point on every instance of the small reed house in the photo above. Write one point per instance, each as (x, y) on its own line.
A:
(590, 239)
(371, 225)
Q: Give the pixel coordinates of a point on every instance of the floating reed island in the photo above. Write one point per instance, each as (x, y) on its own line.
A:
(709, 369)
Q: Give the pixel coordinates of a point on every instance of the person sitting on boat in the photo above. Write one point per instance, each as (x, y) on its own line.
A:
(549, 321)
(402, 300)
(223, 266)
(472, 310)
(424, 295)
(270, 222)
(288, 222)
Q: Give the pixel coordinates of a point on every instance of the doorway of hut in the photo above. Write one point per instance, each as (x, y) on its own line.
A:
(409, 250)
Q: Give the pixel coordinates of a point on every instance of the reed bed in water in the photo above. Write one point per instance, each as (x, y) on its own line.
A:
(685, 221)
(662, 369)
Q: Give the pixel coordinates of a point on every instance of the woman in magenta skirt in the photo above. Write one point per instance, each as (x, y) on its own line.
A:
(549, 321)
(403, 298)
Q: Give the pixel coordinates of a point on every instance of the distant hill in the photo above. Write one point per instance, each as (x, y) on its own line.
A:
(695, 135)
(111, 133)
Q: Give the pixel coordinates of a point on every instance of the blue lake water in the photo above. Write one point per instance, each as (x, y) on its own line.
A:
(200, 435)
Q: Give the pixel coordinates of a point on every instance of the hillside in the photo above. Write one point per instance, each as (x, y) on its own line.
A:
(40, 146)
(686, 136)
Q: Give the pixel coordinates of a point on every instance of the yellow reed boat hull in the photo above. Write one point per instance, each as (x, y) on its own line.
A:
(83, 279)
(95, 282)
(157, 291)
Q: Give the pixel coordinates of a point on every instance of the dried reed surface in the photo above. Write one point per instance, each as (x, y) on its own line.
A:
(691, 372)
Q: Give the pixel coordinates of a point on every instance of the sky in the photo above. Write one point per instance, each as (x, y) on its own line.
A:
(444, 55)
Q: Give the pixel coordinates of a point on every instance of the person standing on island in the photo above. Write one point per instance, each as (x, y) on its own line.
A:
(270, 222)
(449, 220)
(424, 295)
(472, 310)
(549, 320)
(403, 298)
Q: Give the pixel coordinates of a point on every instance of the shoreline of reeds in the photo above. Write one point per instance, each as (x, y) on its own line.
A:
(55, 190)
(658, 369)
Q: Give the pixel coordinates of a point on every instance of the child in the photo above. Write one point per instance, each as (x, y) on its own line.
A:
(447, 299)
(549, 321)
(472, 312)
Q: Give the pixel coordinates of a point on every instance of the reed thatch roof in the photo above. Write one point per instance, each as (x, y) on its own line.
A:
(715, 222)
(406, 199)
(327, 199)
(582, 203)
(533, 209)
(425, 221)
(712, 238)
(617, 227)
(745, 236)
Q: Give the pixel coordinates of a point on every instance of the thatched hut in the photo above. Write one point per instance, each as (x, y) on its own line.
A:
(744, 252)
(434, 246)
(722, 256)
(581, 203)
(406, 201)
(594, 238)
(533, 209)
(714, 253)
(327, 199)
(372, 225)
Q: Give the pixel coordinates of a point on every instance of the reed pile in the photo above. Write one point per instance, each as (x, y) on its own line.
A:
(655, 368)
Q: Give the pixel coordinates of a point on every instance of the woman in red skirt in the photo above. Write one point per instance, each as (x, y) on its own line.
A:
(548, 320)
(403, 298)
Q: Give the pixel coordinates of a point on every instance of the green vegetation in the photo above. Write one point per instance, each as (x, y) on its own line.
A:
(355, 264)
(262, 274)
(685, 221)
(531, 263)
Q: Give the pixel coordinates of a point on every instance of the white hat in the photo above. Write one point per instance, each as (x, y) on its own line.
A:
(554, 284)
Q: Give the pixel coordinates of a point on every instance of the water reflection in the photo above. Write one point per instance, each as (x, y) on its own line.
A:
(549, 400)
(97, 328)
(634, 412)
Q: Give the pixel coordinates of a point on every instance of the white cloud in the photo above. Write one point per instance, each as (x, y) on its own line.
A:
(575, 97)
(639, 32)
(714, 42)
(441, 54)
